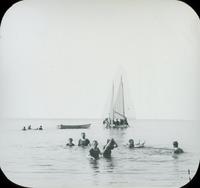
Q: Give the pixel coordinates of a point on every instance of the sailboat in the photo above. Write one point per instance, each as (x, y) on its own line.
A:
(117, 117)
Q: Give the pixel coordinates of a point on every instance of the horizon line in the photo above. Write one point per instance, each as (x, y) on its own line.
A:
(45, 118)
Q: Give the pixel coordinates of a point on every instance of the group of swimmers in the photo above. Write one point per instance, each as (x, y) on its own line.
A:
(94, 152)
(30, 128)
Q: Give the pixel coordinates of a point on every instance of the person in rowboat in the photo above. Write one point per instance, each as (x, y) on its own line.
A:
(107, 149)
(24, 128)
(70, 142)
(177, 150)
(83, 141)
(94, 151)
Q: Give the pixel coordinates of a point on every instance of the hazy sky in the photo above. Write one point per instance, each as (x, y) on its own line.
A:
(59, 58)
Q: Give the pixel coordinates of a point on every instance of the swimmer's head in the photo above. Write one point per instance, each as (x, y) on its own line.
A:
(70, 139)
(95, 143)
(112, 141)
(83, 135)
(175, 144)
(131, 141)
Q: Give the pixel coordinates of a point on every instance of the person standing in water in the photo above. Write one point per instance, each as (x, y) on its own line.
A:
(94, 151)
(70, 142)
(177, 150)
(83, 141)
(107, 149)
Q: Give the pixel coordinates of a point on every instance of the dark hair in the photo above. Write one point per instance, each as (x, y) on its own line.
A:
(112, 141)
(70, 139)
(131, 140)
(95, 142)
(175, 144)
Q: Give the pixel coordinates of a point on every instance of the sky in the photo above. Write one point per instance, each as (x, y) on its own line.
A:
(59, 58)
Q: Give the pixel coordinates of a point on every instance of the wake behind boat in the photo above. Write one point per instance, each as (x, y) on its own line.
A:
(79, 126)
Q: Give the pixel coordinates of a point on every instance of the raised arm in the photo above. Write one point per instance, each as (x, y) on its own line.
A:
(115, 144)
(89, 142)
(106, 146)
(100, 152)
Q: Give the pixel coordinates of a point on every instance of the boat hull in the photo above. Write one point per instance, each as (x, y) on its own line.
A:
(82, 126)
(118, 125)
(113, 126)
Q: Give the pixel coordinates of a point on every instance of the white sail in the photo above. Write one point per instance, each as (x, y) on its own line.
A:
(111, 114)
(118, 107)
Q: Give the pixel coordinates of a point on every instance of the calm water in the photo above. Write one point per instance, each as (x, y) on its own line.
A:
(40, 158)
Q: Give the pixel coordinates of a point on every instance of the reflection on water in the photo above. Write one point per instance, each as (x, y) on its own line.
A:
(42, 159)
(102, 165)
(94, 165)
(110, 164)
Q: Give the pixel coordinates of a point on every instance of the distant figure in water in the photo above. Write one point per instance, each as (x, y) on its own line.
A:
(94, 151)
(29, 127)
(83, 141)
(40, 128)
(70, 142)
(107, 149)
(131, 143)
(24, 128)
(177, 150)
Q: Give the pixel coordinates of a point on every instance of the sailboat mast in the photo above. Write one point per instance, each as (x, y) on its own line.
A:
(112, 101)
(123, 97)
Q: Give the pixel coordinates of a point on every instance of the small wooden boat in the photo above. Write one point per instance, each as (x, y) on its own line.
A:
(81, 126)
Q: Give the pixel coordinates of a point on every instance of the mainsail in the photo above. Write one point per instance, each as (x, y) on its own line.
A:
(111, 113)
(119, 108)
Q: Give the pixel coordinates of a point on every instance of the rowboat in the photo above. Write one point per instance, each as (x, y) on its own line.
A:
(81, 126)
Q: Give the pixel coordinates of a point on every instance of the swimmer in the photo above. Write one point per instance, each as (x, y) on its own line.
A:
(40, 128)
(83, 141)
(107, 149)
(70, 142)
(94, 151)
(131, 144)
(177, 150)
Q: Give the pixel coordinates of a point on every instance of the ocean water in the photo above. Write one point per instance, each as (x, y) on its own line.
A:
(41, 159)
